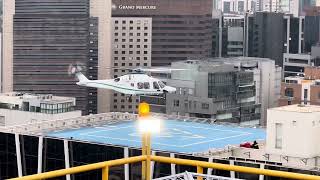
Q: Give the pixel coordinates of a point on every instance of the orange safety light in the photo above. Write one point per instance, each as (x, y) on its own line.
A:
(144, 109)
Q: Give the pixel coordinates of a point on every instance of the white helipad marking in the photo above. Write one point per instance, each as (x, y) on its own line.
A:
(218, 139)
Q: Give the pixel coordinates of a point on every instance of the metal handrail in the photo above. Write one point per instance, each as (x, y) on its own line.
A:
(104, 166)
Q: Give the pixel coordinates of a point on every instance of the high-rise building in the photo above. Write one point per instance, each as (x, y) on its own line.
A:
(181, 29)
(266, 36)
(43, 38)
(311, 32)
(131, 48)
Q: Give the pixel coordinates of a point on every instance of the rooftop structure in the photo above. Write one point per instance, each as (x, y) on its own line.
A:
(294, 131)
(20, 108)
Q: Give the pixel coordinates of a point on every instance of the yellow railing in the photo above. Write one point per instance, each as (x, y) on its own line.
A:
(104, 166)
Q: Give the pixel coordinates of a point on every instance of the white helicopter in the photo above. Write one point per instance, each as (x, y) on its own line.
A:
(135, 83)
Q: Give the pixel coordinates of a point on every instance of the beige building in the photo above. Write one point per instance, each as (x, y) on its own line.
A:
(131, 48)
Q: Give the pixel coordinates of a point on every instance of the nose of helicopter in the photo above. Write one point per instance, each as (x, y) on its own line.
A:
(170, 89)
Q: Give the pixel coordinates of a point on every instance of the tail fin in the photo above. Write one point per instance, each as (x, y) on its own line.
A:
(81, 77)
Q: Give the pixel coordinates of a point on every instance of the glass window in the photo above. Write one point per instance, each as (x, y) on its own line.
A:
(205, 106)
(155, 85)
(289, 92)
(176, 103)
(140, 85)
(146, 85)
(161, 84)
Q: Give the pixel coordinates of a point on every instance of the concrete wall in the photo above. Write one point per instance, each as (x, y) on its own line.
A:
(8, 12)
(300, 132)
(102, 10)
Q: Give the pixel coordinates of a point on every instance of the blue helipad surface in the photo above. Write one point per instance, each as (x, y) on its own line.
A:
(175, 136)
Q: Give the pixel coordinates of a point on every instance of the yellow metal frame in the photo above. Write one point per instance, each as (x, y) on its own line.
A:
(104, 166)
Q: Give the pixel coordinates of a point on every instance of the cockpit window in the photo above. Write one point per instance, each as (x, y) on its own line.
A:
(161, 84)
(116, 79)
(146, 85)
(140, 85)
(155, 85)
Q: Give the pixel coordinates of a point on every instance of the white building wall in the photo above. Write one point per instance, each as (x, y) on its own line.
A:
(300, 132)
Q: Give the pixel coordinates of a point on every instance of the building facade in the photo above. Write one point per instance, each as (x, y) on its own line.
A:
(131, 48)
(42, 41)
(180, 29)
(266, 36)
(294, 64)
(301, 90)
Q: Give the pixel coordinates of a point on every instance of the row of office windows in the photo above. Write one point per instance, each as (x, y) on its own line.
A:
(130, 40)
(205, 106)
(130, 21)
(130, 58)
(130, 52)
(130, 28)
(130, 34)
(130, 46)
(130, 64)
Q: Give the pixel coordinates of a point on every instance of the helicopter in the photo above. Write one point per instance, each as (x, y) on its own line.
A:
(135, 83)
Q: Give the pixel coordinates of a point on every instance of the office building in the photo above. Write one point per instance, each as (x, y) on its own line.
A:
(266, 85)
(41, 39)
(294, 33)
(294, 64)
(237, 6)
(131, 48)
(180, 29)
(266, 36)
(213, 90)
(301, 90)
(235, 42)
(311, 32)
(22, 108)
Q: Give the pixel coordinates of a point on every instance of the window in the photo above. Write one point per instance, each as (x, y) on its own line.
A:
(138, 58)
(116, 40)
(288, 92)
(138, 28)
(123, 34)
(123, 58)
(138, 52)
(123, 22)
(145, 52)
(123, 40)
(132, 84)
(131, 22)
(123, 28)
(161, 84)
(130, 64)
(145, 64)
(130, 52)
(137, 64)
(176, 103)
(116, 28)
(146, 85)
(278, 144)
(123, 52)
(123, 46)
(130, 46)
(115, 52)
(130, 34)
(116, 22)
(145, 46)
(130, 40)
(145, 58)
(205, 106)
(131, 28)
(140, 85)
(145, 28)
(138, 34)
(138, 40)
(145, 34)
(115, 58)
(155, 85)
(145, 40)
(116, 34)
